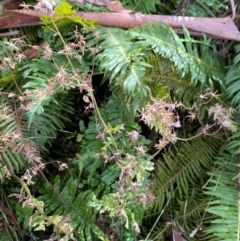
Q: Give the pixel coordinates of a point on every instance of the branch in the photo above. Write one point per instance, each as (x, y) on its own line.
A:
(221, 28)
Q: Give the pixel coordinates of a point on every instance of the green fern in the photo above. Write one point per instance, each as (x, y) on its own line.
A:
(178, 167)
(13, 143)
(97, 181)
(224, 201)
(178, 180)
(74, 200)
(121, 56)
(5, 51)
(204, 66)
(233, 80)
(144, 6)
(205, 8)
(167, 78)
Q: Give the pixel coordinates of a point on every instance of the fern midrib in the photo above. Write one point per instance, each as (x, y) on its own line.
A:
(181, 51)
(177, 80)
(178, 173)
(138, 3)
(126, 59)
(198, 207)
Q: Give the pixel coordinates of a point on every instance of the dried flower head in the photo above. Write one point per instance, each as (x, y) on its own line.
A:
(221, 115)
(47, 52)
(19, 57)
(46, 6)
(162, 116)
(140, 150)
(133, 136)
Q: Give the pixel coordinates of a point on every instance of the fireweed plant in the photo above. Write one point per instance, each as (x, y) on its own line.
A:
(105, 189)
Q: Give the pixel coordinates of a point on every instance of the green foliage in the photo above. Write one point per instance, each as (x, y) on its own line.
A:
(107, 191)
(224, 200)
(204, 66)
(65, 18)
(122, 56)
(146, 6)
(14, 143)
(98, 180)
(70, 205)
(167, 78)
(204, 8)
(127, 59)
(233, 80)
(178, 180)
(4, 235)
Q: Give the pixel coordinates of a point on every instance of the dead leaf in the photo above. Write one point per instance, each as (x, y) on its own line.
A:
(11, 4)
(176, 234)
(116, 6)
(11, 19)
(11, 216)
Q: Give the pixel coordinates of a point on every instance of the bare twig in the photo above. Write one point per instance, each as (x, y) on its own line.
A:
(233, 9)
(11, 33)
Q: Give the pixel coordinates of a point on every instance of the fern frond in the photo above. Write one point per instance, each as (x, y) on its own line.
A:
(224, 200)
(204, 66)
(81, 217)
(121, 56)
(181, 170)
(186, 214)
(98, 178)
(16, 148)
(233, 79)
(5, 51)
(206, 8)
(30, 34)
(144, 6)
(178, 181)
(167, 78)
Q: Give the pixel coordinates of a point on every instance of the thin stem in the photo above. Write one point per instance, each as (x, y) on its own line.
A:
(60, 36)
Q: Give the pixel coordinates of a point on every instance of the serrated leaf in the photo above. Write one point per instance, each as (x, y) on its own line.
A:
(64, 8)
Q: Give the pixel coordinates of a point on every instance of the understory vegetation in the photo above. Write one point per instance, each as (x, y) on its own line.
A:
(112, 134)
